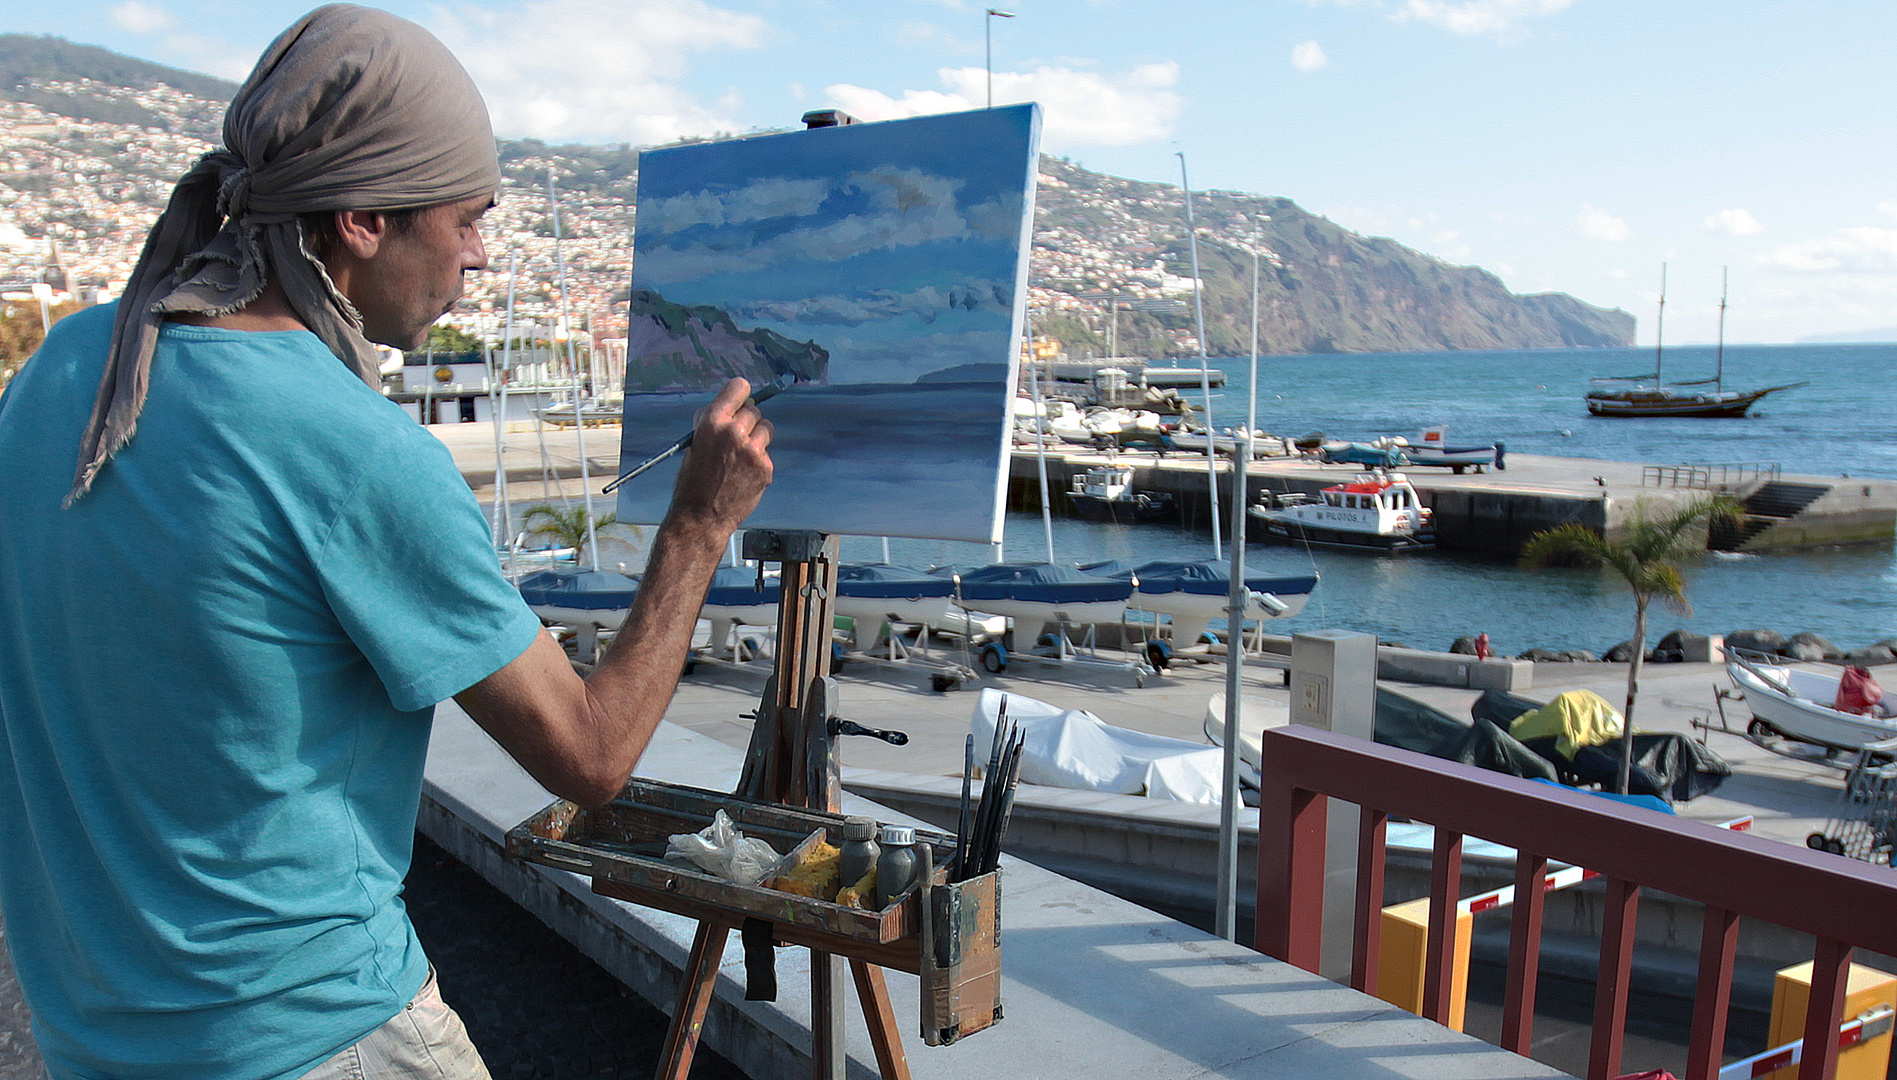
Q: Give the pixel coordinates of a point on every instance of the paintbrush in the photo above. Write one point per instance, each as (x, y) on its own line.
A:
(961, 827)
(1006, 808)
(685, 440)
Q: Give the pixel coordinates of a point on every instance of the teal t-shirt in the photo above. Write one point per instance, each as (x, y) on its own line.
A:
(217, 675)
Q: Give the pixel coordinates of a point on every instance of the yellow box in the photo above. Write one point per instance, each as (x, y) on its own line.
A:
(1402, 959)
(1864, 989)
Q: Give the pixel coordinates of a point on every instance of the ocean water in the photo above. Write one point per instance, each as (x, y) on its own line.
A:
(1843, 424)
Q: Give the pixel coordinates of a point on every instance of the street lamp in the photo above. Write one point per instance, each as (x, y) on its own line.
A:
(988, 43)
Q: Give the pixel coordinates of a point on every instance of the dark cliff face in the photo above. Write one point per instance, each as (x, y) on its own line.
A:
(673, 348)
(1322, 288)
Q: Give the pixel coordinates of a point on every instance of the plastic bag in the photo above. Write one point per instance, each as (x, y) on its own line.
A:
(721, 850)
(1858, 692)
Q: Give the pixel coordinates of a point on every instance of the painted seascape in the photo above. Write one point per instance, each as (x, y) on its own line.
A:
(876, 274)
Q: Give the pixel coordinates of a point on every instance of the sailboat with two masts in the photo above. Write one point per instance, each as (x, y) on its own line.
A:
(1646, 395)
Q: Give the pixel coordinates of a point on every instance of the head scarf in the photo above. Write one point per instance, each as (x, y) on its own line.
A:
(349, 109)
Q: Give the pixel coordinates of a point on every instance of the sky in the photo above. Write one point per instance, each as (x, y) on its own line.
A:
(1564, 145)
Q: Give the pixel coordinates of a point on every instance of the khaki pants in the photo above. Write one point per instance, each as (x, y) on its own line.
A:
(425, 1041)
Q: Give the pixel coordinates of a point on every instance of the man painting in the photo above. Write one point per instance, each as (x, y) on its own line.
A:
(222, 639)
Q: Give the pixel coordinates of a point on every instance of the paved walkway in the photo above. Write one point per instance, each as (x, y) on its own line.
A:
(1789, 797)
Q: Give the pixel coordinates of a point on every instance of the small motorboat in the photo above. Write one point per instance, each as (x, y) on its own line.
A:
(1801, 704)
(874, 593)
(586, 602)
(1434, 449)
(1037, 594)
(1381, 454)
(1378, 511)
(738, 597)
(1193, 594)
(570, 597)
(595, 411)
(1105, 493)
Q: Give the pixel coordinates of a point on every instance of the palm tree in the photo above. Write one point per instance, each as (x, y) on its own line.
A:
(566, 526)
(1647, 556)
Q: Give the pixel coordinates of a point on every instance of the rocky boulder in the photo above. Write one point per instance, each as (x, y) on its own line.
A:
(1809, 646)
(1872, 655)
(1620, 654)
(1463, 646)
(1758, 641)
(1544, 656)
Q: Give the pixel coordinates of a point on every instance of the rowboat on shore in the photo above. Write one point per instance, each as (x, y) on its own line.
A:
(1434, 449)
(1800, 704)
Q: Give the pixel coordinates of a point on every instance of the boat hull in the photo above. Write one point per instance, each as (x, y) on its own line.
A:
(1690, 409)
(1455, 457)
(1193, 613)
(1137, 508)
(1804, 719)
(1726, 404)
(1284, 526)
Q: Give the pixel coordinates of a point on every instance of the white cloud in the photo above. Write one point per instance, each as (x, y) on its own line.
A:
(1597, 224)
(137, 17)
(1472, 17)
(182, 47)
(1734, 222)
(1309, 56)
(905, 207)
(594, 70)
(1863, 249)
(1888, 208)
(1080, 108)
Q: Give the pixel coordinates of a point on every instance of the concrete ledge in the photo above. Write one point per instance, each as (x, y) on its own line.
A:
(1093, 986)
(1435, 668)
(1453, 669)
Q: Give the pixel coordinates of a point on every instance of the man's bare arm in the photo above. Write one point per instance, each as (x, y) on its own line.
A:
(581, 739)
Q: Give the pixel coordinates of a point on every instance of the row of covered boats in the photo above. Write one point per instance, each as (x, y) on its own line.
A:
(970, 602)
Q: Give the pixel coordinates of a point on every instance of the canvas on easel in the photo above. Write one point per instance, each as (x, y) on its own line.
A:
(878, 273)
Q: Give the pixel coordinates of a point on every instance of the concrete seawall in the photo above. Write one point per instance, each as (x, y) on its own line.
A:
(1491, 513)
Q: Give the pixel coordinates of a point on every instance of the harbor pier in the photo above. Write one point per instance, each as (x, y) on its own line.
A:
(1496, 512)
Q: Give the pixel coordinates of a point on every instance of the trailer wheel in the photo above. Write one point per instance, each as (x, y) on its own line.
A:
(1816, 841)
(1834, 845)
(1759, 729)
(993, 660)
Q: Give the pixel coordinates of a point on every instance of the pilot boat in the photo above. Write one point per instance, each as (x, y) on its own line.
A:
(1377, 511)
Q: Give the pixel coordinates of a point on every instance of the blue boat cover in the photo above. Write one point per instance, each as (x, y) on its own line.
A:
(1037, 583)
(736, 586)
(582, 590)
(1209, 577)
(881, 581)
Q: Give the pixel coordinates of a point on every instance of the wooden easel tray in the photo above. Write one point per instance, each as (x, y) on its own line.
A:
(621, 846)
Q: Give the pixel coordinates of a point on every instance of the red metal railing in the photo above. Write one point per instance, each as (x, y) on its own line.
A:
(1844, 904)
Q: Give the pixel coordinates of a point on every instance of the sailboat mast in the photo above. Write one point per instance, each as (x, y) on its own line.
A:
(1719, 372)
(1205, 373)
(1659, 327)
(573, 363)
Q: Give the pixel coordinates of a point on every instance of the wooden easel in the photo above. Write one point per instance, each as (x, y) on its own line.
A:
(792, 760)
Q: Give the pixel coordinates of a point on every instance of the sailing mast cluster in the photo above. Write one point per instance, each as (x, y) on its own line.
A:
(1648, 395)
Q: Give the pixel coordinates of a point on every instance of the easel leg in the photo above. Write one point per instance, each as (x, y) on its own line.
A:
(873, 992)
(696, 984)
(827, 1057)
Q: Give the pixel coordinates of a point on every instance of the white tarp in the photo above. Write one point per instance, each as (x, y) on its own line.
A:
(1072, 748)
